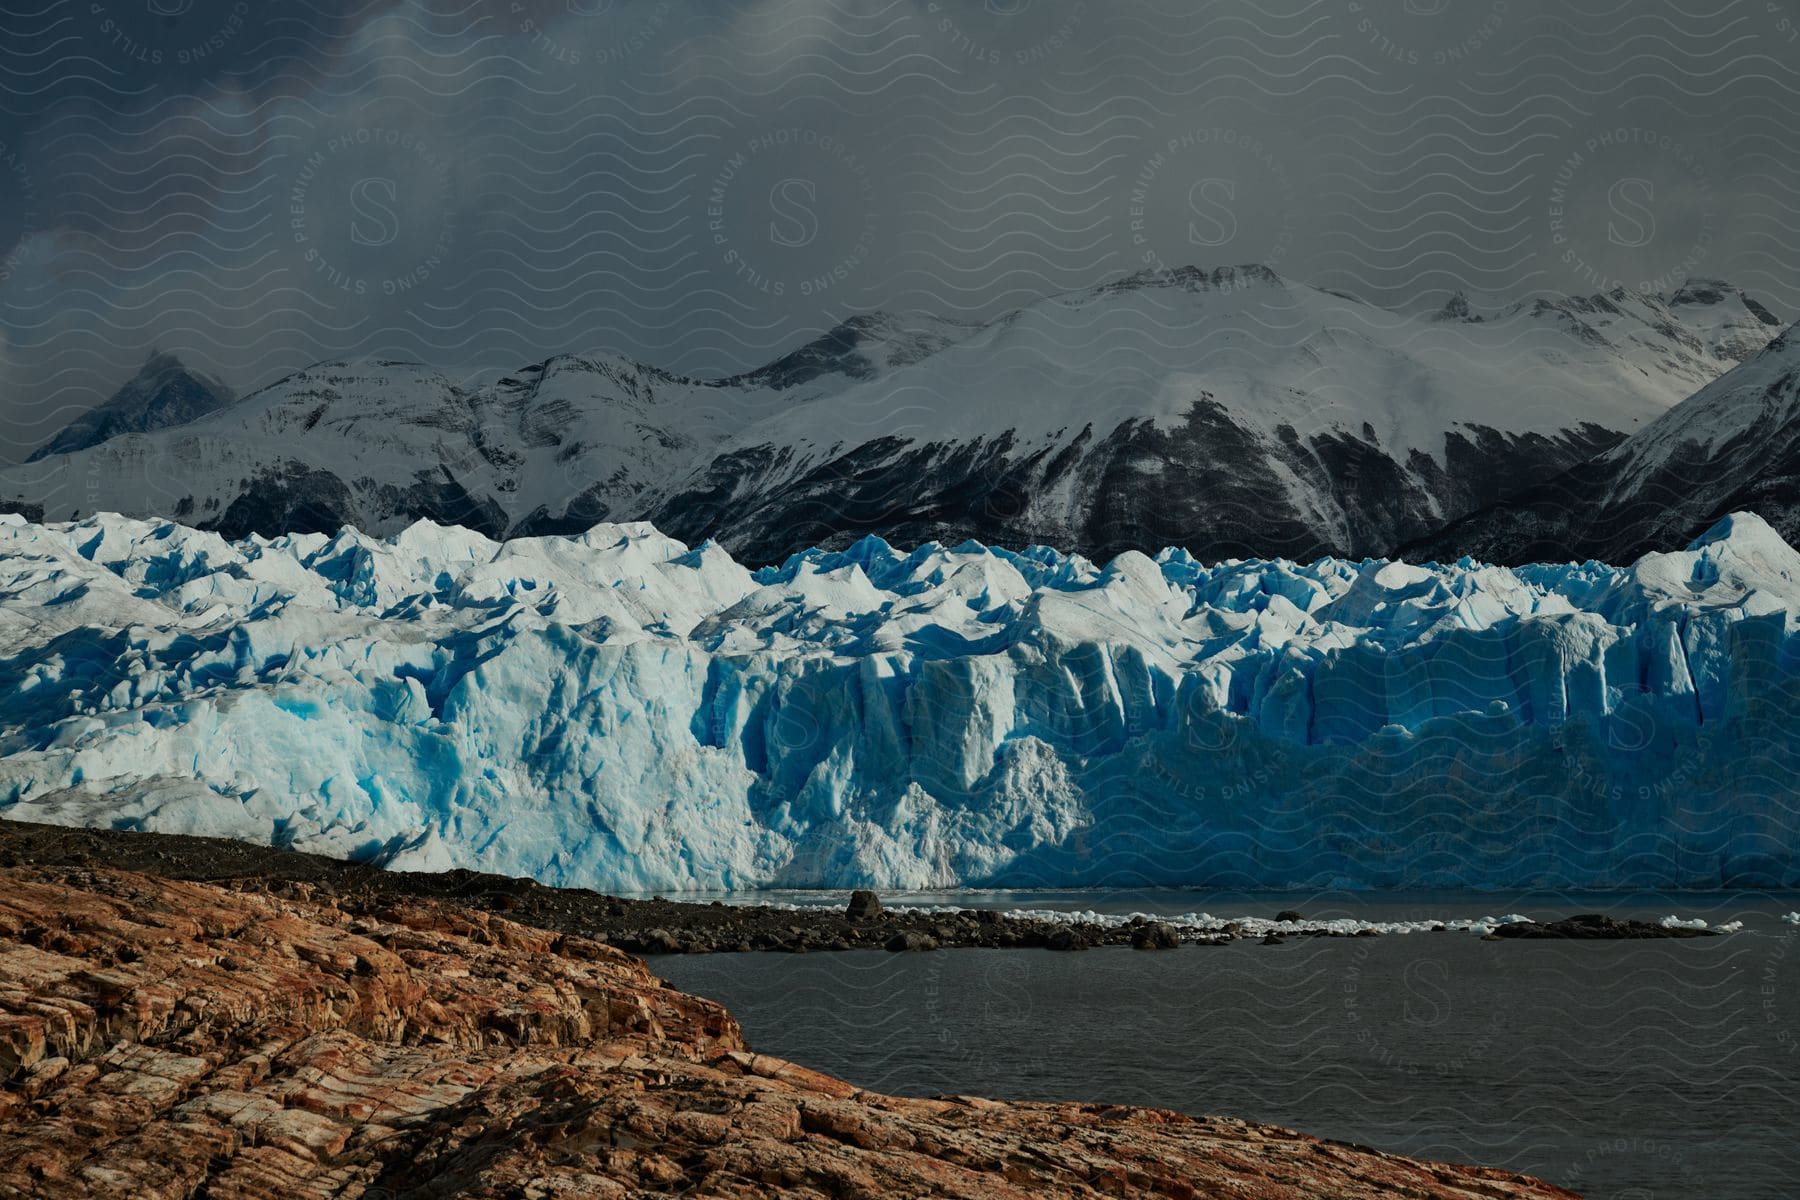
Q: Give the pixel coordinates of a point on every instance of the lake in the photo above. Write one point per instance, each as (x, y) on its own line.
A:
(1631, 1070)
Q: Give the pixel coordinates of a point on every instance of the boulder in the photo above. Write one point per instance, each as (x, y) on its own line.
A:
(659, 941)
(1155, 936)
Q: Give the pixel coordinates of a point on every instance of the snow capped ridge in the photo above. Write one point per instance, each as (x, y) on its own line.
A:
(1229, 410)
(621, 710)
(1263, 416)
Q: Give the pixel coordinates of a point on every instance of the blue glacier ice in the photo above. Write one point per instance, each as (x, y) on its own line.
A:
(621, 711)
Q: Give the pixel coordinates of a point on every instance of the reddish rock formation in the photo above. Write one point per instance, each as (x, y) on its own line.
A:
(162, 1039)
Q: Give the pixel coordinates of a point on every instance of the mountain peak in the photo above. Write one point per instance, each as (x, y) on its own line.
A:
(1197, 279)
(1704, 292)
(859, 347)
(1457, 309)
(163, 393)
(157, 363)
(1701, 291)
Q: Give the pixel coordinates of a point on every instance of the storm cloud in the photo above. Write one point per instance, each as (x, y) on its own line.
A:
(482, 183)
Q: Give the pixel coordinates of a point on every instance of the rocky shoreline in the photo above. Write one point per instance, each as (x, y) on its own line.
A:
(165, 1040)
(662, 926)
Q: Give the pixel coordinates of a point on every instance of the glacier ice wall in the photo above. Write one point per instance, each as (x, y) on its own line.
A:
(620, 711)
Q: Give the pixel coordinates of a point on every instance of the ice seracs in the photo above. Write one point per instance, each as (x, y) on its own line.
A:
(618, 709)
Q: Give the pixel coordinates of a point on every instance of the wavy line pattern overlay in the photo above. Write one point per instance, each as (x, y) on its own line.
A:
(481, 183)
(676, 192)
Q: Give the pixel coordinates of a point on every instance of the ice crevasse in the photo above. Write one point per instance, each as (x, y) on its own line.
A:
(618, 710)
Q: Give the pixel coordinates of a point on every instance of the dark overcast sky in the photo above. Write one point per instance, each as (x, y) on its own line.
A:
(260, 184)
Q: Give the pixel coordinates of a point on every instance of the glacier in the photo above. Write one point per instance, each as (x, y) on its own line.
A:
(622, 711)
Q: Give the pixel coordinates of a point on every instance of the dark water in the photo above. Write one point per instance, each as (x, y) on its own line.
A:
(1631, 1070)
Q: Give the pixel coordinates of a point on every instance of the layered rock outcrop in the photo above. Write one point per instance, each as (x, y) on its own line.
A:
(162, 1039)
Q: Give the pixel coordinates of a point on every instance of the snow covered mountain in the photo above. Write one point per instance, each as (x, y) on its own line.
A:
(1232, 412)
(1733, 446)
(381, 443)
(618, 710)
(163, 393)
